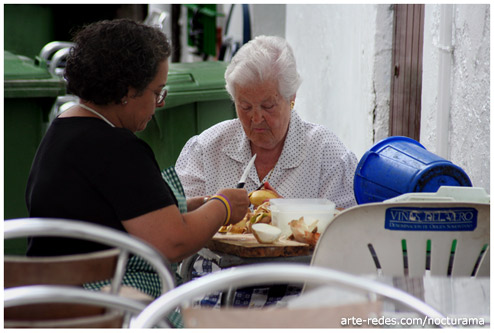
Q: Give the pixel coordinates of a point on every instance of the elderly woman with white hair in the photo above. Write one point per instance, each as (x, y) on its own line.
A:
(296, 158)
(299, 159)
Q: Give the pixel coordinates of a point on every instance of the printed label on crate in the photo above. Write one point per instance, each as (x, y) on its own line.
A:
(431, 219)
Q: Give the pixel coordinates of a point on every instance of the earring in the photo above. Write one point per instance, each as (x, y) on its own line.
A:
(292, 105)
(124, 102)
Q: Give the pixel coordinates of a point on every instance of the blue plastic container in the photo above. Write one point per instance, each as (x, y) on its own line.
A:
(398, 165)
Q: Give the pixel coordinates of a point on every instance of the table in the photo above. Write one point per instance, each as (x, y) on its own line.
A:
(226, 260)
(253, 255)
(463, 300)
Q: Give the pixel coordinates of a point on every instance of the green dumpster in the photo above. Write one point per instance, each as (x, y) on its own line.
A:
(29, 93)
(196, 100)
(28, 27)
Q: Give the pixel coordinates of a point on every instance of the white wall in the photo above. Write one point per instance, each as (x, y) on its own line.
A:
(344, 56)
(467, 131)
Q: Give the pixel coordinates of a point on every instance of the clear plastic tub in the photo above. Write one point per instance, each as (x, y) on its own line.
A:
(283, 211)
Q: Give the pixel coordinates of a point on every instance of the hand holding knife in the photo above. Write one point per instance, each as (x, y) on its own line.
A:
(241, 183)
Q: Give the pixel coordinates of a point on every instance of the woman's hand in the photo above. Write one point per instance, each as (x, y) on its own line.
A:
(267, 186)
(239, 203)
(178, 235)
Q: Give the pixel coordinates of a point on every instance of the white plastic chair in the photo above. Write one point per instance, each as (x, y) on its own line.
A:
(362, 239)
(125, 243)
(242, 276)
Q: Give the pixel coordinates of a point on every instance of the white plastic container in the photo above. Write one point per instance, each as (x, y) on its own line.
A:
(447, 193)
(283, 211)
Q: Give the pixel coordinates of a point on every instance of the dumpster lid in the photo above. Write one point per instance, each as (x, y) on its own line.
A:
(196, 82)
(196, 76)
(17, 67)
(26, 77)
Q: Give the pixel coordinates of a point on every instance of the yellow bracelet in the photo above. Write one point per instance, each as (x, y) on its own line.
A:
(227, 205)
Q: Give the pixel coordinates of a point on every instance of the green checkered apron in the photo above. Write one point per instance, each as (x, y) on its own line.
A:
(139, 273)
(171, 178)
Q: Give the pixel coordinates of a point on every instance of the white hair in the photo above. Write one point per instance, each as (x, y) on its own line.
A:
(264, 58)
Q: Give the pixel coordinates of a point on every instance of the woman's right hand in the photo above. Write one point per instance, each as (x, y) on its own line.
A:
(268, 186)
(239, 203)
(178, 235)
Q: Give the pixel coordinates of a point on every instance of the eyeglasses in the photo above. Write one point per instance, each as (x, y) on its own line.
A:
(161, 96)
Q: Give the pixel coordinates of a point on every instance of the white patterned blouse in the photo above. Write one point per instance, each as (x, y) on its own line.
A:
(314, 163)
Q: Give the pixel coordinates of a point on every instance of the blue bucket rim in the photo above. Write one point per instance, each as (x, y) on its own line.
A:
(379, 145)
(395, 138)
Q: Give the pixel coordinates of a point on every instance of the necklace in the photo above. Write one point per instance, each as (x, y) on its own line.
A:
(267, 179)
(96, 113)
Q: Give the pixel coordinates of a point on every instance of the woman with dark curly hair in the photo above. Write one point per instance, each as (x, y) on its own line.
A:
(90, 166)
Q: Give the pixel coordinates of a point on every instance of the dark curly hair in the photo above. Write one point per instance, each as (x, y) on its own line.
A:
(111, 56)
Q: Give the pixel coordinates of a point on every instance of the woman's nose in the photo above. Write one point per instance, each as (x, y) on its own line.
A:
(257, 116)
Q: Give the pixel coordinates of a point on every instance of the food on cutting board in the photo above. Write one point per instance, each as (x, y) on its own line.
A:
(304, 233)
(258, 222)
(266, 233)
(262, 214)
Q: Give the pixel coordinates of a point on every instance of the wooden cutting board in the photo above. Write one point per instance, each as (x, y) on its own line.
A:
(245, 245)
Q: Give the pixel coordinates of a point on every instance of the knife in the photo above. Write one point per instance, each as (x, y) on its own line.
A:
(241, 183)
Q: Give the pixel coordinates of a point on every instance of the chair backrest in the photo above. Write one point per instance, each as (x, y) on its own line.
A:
(60, 270)
(408, 238)
(256, 274)
(43, 306)
(74, 269)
